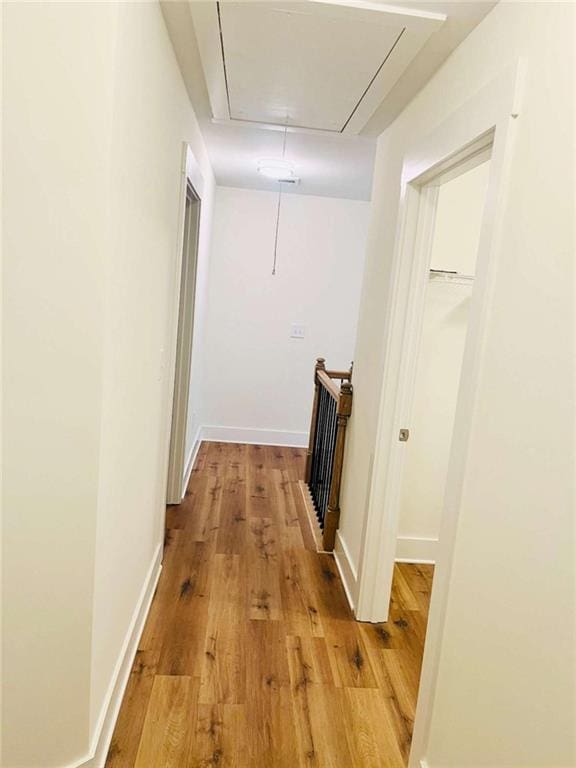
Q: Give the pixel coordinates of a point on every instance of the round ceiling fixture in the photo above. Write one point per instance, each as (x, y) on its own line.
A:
(278, 170)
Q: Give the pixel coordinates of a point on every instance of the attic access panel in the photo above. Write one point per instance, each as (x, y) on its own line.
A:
(317, 65)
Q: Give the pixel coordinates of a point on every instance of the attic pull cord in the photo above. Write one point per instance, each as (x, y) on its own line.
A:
(279, 203)
(276, 232)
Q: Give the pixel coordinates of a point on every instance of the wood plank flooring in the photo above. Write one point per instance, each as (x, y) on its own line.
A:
(250, 657)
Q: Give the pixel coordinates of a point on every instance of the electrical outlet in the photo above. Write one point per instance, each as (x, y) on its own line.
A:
(297, 331)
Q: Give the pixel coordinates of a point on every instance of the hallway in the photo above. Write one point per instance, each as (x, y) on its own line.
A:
(250, 657)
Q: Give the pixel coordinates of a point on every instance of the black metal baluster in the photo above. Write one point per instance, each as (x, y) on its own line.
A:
(322, 509)
(331, 439)
(330, 414)
(321, 461)
(319, 511)
(326, 467)
(327, 458)
(317, 477)
(322, 465)
(314, 468)
(325, 449)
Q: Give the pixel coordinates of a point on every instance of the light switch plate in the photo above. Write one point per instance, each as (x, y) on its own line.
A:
(297, 331)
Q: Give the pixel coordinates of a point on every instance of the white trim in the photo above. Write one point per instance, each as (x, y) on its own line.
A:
(193, 172)
(366, 5)
(191, 460)
(416, 222)
(497, 106)
(275, 127)
(462, 138)
(254, 436)
(184, 322)
(419, 25)
(416, 549)
(424, 763)
(102, 737)
(346, 569)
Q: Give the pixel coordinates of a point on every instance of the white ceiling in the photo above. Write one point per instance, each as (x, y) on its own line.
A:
(327, 165)
(318, 65)
(335, 71)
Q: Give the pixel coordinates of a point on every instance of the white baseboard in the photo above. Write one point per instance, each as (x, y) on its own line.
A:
(346, 569)
(190, 462)
(111, 707)
(415, 549)
(255, 436)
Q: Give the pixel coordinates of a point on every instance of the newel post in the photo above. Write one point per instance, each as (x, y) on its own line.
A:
(333, 509)
(320, 366)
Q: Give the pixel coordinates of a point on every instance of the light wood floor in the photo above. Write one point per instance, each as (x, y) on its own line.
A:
(250, 657)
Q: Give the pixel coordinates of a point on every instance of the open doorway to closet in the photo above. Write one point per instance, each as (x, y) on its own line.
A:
(438, 309)
(448, 294)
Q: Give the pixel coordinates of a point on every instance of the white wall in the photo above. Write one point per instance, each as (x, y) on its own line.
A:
(95, 117)
(458, 219)
(504, 693)
(1, 360)
(454, 248)
(58, 70)
(257, 377)
(152, 118)
(432, 421)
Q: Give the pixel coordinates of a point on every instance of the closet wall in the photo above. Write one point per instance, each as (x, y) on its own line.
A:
(457, 229)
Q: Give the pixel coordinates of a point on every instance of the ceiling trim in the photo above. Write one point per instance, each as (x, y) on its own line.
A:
(263, 124)
(417, 26)
(359, 102)
(221, 35)
(329, 164)
(365, 5)
(234, 118)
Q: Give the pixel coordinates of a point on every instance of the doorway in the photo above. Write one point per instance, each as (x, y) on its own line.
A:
(481, 129)
(426, 184)
(448, 294)
(184, 345)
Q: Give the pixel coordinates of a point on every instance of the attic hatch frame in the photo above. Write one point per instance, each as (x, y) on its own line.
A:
(412, 29)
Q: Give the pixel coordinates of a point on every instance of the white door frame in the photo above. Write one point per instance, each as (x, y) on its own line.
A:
(183, 333)
(488, 118)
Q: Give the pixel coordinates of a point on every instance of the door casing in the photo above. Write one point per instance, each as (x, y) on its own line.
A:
(483, 126)
(192, 187)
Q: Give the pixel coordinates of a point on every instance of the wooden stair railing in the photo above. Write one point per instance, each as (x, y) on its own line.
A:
(330, 413)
